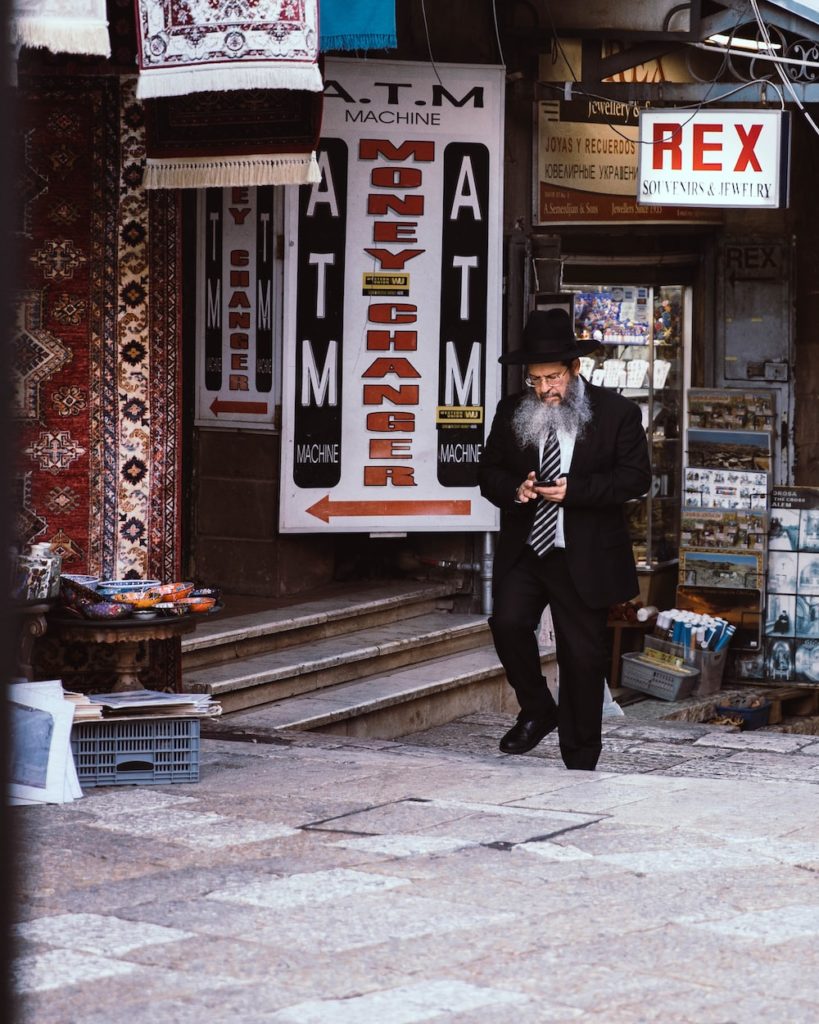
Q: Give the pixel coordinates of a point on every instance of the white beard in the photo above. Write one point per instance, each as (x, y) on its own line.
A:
(533, 418)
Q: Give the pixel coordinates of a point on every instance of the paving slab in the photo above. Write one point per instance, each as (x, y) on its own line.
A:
(432, 879)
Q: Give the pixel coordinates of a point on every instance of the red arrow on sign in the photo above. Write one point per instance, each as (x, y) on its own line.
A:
(252, 408)
(325, 509)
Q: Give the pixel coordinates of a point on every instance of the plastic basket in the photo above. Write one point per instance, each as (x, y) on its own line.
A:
(144, 751)
(666, 682)
(710, 664)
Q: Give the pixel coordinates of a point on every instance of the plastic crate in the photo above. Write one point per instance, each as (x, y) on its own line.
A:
(709, 664)
(666, 682)
(144, 751)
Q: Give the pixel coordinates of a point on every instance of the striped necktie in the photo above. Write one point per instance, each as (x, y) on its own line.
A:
(544, 528)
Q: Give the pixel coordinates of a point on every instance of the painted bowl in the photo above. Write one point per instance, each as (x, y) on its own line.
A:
(172, 591)
(73, 593)
(109, 587)
(198, 604)
(106, 610)
(84, 581)
(172, 608)
(214, 592)
(144, 613)
(138, 598)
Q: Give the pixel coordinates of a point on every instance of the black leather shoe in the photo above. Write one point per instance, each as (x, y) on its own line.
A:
(526, 734)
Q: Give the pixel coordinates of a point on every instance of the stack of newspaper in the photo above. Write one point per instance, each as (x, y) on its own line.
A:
(142, 703)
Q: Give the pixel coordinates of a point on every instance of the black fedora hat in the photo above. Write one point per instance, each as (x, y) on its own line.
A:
(548, 337)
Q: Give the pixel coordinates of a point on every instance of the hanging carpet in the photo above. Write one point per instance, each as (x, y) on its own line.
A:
(95, 356)
(61, 26)
(188, 46)
(219, 139)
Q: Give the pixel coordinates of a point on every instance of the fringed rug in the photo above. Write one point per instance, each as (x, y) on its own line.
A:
(61, 26)
(219, 139)
(188, 46)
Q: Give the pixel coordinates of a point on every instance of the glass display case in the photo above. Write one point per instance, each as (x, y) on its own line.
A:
(641, 355)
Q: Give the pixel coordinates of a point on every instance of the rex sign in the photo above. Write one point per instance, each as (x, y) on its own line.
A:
(714, 158)
(392, 302)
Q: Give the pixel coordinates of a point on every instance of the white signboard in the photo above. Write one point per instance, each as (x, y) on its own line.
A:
(392, 303)
(235, 308)
(710, 157)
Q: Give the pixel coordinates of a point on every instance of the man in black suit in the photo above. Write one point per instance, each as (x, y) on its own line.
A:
(564, 543)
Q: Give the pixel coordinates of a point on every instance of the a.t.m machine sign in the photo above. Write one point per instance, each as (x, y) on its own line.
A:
(392, 302)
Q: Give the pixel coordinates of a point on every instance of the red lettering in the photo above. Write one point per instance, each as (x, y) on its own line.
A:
(377, 394)
(239, 257)
(380, 476)
(239, 279)
(701, 147)
(396, 177)
(371, 149)
(239, 341)
(667, 139)
(392, 313)
(381, 367)
(387, 448)
(394, 260)
(240, 320)
(400, 341)
(386, 422)
(748, 140)
(236, 382)
(239, 299)
(238, 360)
(239, 216)
(404, 206)
(395, 231)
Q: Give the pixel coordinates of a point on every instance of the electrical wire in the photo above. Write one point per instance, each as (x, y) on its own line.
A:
(763, 28)
(429, 44)
(497, 33)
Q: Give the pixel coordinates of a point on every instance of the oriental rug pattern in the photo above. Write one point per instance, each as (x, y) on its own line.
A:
(97, 347)
(188, 46)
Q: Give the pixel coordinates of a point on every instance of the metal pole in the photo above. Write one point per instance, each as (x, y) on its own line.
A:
(487, 558)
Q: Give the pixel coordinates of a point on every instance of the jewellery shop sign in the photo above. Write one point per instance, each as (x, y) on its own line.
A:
(392, 303)
(718, 158)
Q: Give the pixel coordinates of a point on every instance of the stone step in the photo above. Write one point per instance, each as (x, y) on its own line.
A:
(341, 609)
(387, 705)
(278, 674)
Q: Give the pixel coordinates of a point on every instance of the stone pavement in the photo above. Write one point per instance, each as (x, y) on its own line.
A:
(324, 880)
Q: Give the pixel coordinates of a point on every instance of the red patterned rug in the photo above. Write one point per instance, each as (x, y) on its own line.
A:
(97, 349)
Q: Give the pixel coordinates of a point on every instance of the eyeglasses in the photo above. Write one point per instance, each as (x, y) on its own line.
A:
(549, 378)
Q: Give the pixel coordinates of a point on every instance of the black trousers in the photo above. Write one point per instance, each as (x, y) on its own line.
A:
(580, 638)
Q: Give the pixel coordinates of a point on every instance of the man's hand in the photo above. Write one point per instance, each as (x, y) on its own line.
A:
(530, 490)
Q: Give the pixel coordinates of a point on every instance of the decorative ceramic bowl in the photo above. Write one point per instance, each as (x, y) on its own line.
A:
(138, 598)
(106, 610)
(84, 581)
(145, 613)
(197, 604)
(172, 591)
(73, 593)
(214, 592)
(109, 587)
(172, 608)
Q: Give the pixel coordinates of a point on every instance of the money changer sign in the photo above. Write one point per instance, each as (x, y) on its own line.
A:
(392, 303)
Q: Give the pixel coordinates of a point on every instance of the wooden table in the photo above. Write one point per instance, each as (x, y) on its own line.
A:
(128, 637)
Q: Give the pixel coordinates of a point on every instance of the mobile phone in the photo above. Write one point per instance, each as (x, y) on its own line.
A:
(546, 483)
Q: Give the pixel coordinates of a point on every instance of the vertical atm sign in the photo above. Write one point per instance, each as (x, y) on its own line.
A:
(727, 158)
(392, 303)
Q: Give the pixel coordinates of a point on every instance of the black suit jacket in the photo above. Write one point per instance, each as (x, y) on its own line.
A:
(610, 465)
